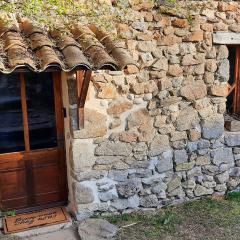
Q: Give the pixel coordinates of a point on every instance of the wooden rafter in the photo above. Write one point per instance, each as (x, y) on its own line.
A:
(83, 80)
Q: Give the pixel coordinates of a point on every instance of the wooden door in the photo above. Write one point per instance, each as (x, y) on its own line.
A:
(32, 154)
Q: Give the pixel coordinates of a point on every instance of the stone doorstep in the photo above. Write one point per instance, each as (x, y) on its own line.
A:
(63, 234)
(40, 230)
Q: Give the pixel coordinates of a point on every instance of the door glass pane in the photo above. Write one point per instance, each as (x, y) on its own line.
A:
(41, 110)
(11, 120)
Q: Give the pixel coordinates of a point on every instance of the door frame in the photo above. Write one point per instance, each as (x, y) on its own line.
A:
(28, 154)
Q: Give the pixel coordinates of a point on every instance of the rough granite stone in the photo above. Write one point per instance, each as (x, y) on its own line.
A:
(201, 191)
(83, 194)
(109, 148)
(95, 125)
(92, 229)
(213, 127)
(222, 155)
(159, 145)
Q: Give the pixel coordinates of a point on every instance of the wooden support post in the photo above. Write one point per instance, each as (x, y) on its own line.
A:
(83, 80)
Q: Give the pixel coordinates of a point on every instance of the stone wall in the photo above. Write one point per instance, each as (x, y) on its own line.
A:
(155, 136)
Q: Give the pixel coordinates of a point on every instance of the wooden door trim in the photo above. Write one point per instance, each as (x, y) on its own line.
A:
(25, 113)
(28, 159)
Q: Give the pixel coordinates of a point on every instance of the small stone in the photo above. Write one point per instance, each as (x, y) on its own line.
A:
(220, 26)
(109, 148)
(128, 137)
(208, 27)
(165, 163)
(121, 204)
(119, 106)
(219, 90)
(203, 160)
(141, 123)
(175, 70)
(128, 189)
(209, 77)
(176, 136)
(159, 145)
(223, 70)
(194, 135)
(196, 36)
(185, 166)
(183, 123)
(235, 172)
(168, 30)
(194, 91)
(95, 125)
(232, 139)
(180, 156)
(222, 178)
(180, 23)
(211, 65)
(180, 32)
(92, 229)
(232, 125)
(188, 60)
(107, 196)
(108, 92)
(149, 201)
(213, 127)
(224, 7)
(222, 52)
(148, 97)
(178, 193)
(164, 84)
(161, 64)
(201, 191)
(153, 179)
(174, 183)
(83, 194)
(209, 13)
(222, 155)
(199, 69)
(169, 40)
(159, 188)
(146, 46)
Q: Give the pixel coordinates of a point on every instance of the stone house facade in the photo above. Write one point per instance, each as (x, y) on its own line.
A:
(155, 136)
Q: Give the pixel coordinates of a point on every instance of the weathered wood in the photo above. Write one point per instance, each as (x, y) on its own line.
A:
(25, 113)
(36, 178)
(226, 38)
(83, 81)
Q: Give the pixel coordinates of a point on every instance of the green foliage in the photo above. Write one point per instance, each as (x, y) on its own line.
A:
(9, 213)
(59, 13)
(233, 196)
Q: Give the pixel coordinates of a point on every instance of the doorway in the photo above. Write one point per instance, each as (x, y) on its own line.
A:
(32, 153)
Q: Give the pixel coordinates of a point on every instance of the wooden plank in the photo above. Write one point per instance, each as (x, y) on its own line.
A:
(237, 81)
(226, 38)
(23, 222)
(25, 113)
(82, 86)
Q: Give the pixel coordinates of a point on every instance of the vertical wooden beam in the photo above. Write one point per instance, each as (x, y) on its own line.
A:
(83, 80)
(237, 81)
(25, 113)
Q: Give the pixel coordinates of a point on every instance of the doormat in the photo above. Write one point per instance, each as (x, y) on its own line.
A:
(27, 221)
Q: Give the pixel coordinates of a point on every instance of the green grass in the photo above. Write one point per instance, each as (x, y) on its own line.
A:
(212, 219)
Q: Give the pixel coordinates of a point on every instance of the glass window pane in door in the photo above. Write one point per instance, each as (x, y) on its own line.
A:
(41, 110)
(11, 119)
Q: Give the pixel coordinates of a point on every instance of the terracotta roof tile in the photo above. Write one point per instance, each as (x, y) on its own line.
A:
(24, 45)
